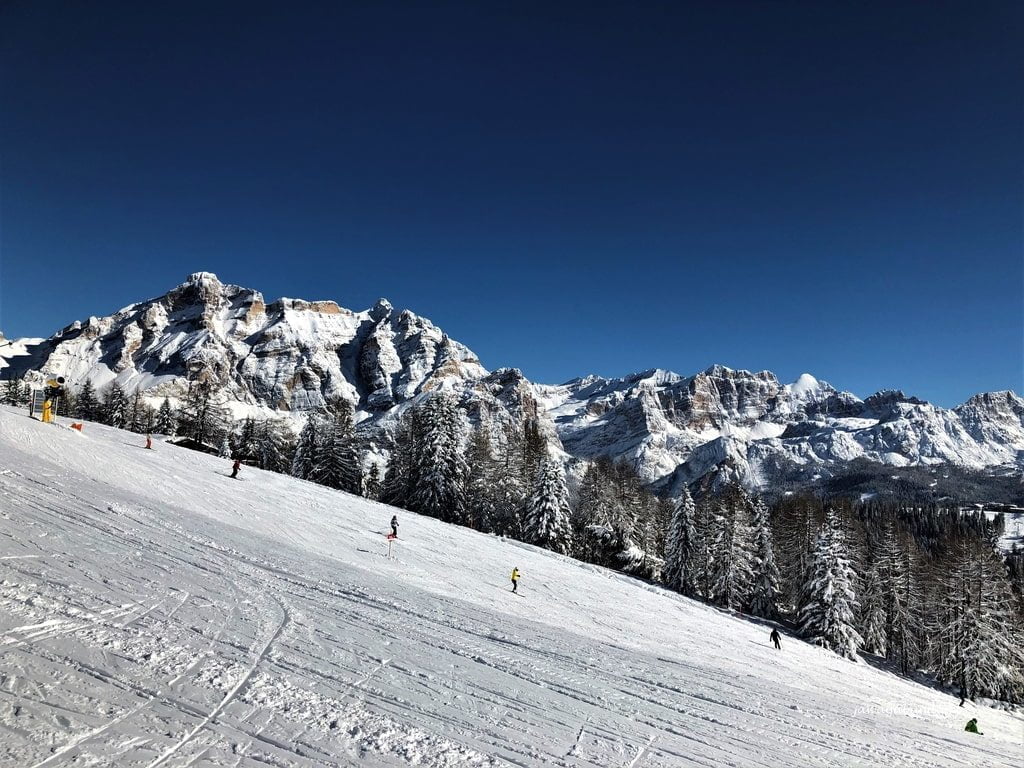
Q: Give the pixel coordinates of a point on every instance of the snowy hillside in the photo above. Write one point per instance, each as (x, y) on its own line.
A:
(717, 425)
(157, 613)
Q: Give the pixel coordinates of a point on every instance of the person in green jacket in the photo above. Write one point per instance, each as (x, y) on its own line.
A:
(972, 726)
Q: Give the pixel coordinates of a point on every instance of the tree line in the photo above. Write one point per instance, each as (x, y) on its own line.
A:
(923, 588)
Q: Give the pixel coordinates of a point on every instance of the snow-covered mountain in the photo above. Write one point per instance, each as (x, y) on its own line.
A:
(720, 424)
(750, 427)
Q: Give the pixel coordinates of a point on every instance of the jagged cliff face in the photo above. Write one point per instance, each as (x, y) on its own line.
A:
(751, 428)
(718, 425)
(287, 355)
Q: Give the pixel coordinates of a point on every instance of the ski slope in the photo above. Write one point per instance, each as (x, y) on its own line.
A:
(154, 612)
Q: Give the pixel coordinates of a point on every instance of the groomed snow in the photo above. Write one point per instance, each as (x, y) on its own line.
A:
(154, 612)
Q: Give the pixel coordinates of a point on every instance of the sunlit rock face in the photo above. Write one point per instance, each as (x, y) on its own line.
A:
(720, 425)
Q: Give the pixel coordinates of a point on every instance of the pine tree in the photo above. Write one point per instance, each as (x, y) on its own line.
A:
(764, 593)
(166, 421)
(829, 603)
(983, 629)
(874, 616)
(225, 447)
(731, 570)
(481, 497)
(799, 520)
(307, 452)
(87, 408)
(373, 482)
(14, 392)
(547, 513)
(678, 573)
(703, 556)
(115, 407)
(510, 484)
(274, 450)
(400, 477)
(439, 465)
(136, 413)
(903, 605)
(247, 444)
(592, 516)
(337, 461)
(201, 417)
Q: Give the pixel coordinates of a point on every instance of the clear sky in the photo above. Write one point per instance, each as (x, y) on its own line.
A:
(566, 188)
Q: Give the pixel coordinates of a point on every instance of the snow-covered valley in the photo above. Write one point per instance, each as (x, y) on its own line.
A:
(154, 612)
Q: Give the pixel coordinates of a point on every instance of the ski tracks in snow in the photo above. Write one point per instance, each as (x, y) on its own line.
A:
(230, 696)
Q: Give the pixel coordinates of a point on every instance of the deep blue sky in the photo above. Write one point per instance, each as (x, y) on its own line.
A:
(603, 187)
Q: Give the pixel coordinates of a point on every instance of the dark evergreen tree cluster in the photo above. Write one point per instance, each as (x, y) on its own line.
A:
(15, 392)
(617, 522)
(202, 416)
(923, 587)
(327, 451)
(722, 550)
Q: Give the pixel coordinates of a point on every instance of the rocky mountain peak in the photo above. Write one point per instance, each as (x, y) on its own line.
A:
(720, 423)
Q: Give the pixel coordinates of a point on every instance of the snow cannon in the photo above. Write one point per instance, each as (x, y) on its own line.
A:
(52, 393)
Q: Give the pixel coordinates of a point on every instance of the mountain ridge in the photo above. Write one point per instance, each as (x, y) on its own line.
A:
(292, 355)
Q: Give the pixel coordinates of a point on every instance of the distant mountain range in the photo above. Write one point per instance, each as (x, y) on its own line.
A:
(717, 425)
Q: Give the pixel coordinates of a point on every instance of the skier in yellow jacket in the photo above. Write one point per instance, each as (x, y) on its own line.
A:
(515, 579)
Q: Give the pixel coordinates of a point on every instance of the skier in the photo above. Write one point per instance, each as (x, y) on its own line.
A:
(235, 467)
(515, 579)
(972, 726)
(149, 442)
(394, 526)
(774, 637)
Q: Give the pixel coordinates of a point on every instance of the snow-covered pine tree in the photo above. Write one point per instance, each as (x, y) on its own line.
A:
(87, 407)
(546, 521)
(510, 483)
(764, 592)
(481, 499)
(983, 630)
(799, 518)
(14, 392)
(166, 420)
(703, 556)
(115, 407)
(731, 571)
(904, 601)
(337, 463)
(373, 482)
(224, 451)
(874, 618)
(247, 441)
(829, 602)
(534, 448)
(400, 477)
(591, 518)
(678, 572)
(274, 452)
(439, 463)
(307, 450)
